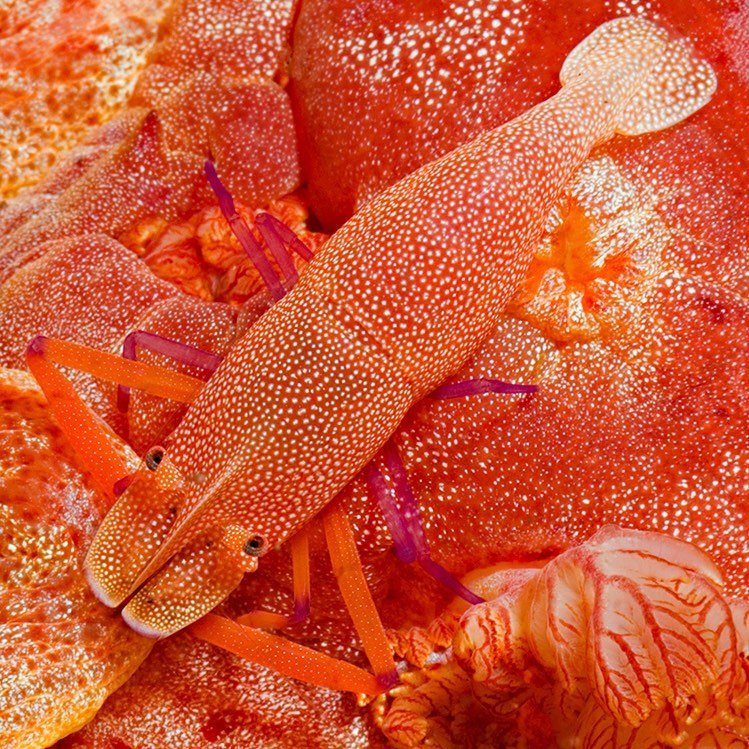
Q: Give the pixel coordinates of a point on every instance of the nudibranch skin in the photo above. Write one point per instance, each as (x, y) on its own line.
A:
(572, 652)
(61, 652)
(639, 419)
(394, 303)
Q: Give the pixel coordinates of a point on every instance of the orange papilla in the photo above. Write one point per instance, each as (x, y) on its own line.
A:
(285, 656)
(348, 571)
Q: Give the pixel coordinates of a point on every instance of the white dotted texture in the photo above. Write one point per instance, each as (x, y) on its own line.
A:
(676, 84)
(91, 302)
(403, 83)
(646, 430)
(394, 303)
(195, 695)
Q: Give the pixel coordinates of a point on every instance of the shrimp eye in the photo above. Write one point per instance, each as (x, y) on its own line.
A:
(154, 457)
(254, 547)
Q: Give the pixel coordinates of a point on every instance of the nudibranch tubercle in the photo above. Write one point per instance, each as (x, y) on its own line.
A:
(394, 303)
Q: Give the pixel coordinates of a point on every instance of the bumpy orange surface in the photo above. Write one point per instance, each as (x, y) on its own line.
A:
(61, 651)
(64, 69)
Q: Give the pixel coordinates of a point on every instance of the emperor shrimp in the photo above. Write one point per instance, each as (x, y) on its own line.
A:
(392, 305)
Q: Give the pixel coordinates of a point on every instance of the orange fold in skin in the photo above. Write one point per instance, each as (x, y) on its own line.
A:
(92, 302)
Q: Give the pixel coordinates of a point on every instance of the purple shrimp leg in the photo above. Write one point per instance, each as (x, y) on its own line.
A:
(279, 237)
(404, 522)
(267, 223)
(181, 352)
(302, 608)
(277, 248)
(243, 233)
(477, 387)
(405, 548)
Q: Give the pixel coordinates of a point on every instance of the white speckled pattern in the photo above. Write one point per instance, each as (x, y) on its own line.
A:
(394, 303)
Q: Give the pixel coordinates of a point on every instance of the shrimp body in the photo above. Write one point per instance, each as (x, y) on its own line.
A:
(393, 304)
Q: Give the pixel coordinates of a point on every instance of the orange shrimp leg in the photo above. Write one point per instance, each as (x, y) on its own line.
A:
(181, 352)
(300, 562)
(284, 656)
(348, 571)
(91, 438)
(280, 240)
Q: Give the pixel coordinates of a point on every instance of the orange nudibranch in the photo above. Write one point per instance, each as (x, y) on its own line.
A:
(393, 304)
